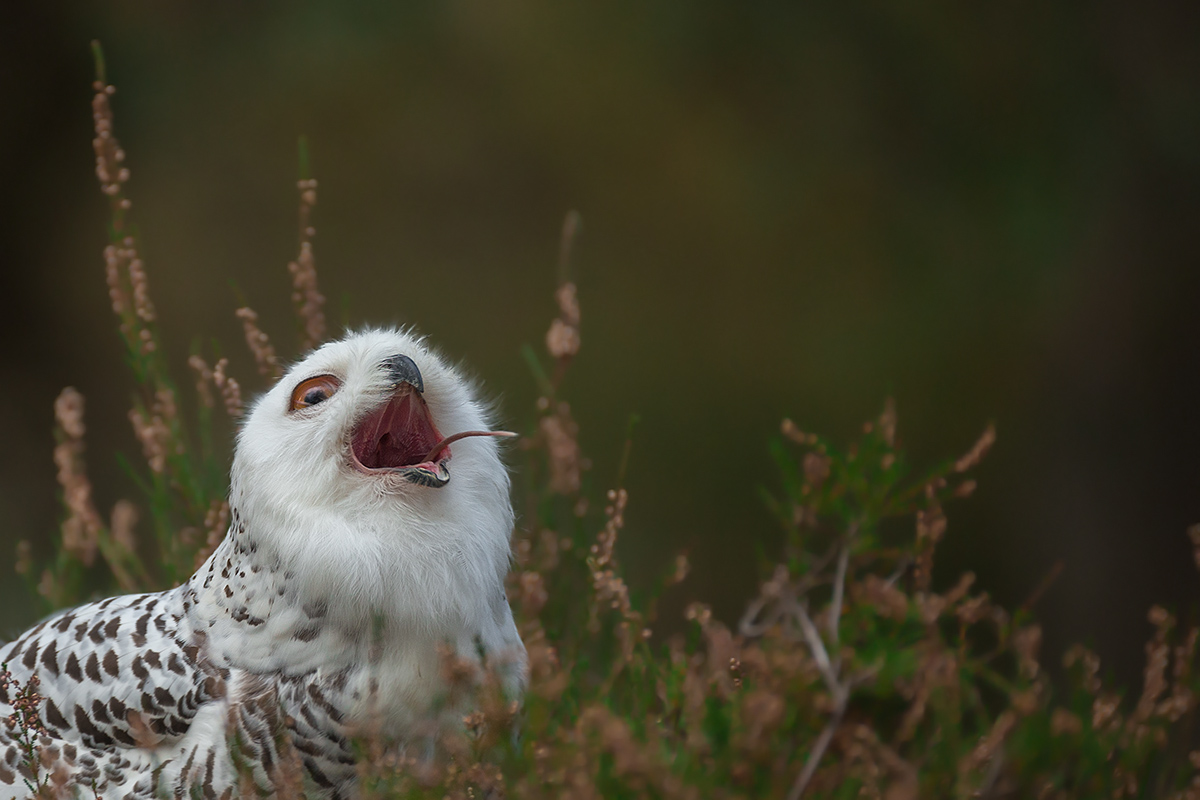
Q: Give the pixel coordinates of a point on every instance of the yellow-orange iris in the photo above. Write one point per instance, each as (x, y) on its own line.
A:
(314, 390)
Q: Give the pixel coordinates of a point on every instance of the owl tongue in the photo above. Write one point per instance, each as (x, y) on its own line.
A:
(398, 435)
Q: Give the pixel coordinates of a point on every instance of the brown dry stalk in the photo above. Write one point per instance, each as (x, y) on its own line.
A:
(559, 433)
(989, 747)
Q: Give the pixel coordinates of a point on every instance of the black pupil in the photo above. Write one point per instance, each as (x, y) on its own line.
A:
(316, 395)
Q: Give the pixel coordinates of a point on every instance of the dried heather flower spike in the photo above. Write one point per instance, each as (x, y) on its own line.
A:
(81, 529)
(610, 589)
(1194, 535)
(24, 565)
(141, 286)
(977, 451)
(887, 422)
(124, 518)
(129, 291)
(562, 340)
(789, 429)
(109, 155)
(602, 550)
(680, 573)
(816, 469)
(1026, 642)
(1158, 653)
(931, 526)
(122, 304)
(1089, 667)
(532, 592)
(68, 412)
(125, 272)
(259, 344)
(216, 521)
(152, 432)
(204, 379)
(231, 390)
(1182, 701)
(562, 449)
(306, 297)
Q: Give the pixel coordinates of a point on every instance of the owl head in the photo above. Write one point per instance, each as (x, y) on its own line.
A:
(375, 410)
(351, 471)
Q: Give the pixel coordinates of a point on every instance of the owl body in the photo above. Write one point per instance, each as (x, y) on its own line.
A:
(356, 549)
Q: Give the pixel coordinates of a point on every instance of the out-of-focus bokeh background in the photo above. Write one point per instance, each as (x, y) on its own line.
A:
(987, 212)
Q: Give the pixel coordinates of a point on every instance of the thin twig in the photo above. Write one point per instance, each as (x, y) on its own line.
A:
(818, 751)
(776, 590)
(1043, 585)
(990, 780)
(779, 594)
(820, 654)
(841, 699)
(570, 230)
(835, 604)
(901, 567)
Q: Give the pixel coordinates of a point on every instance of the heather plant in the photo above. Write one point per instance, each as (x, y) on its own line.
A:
(856, 670)
(27, 724)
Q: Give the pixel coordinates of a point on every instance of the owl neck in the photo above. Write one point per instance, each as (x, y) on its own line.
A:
(291, 590)
(414, 568)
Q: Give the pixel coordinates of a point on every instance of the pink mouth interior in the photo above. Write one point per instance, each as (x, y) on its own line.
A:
(401, 434)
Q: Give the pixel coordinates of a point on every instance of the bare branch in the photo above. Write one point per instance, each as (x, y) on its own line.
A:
(818, 751)
(820, 654)
(835, 604)
(901, 567)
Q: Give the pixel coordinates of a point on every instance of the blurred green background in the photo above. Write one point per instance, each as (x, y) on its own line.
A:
(987, 212)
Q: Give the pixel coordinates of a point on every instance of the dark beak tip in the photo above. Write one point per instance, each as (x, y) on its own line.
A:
(402, 369)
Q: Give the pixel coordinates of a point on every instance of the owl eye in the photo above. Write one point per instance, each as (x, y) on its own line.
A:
(314, 390)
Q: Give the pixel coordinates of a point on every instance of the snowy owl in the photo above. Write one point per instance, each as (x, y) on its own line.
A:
(359, 545)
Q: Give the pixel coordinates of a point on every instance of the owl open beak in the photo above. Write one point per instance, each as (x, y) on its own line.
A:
(399, 438)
